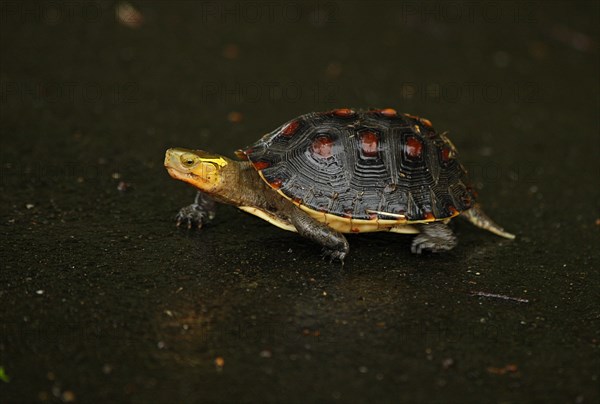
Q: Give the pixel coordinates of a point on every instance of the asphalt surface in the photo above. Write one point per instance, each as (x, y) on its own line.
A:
(103, 299)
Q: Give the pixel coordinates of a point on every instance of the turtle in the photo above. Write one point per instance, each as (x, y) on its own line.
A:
(326, 174)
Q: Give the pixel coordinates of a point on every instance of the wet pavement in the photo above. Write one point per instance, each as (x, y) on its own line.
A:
(103, 299)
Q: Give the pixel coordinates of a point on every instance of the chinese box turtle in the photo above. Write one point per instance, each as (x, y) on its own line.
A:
(342, 171)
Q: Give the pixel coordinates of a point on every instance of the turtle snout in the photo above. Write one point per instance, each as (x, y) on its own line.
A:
(173, 157)
(173, 163)
(168, 157)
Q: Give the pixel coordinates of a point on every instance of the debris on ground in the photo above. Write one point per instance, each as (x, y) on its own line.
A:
(129, 16)
(447, 363)
(503, 297)
(231, 51)
(123, 186)
(510, 368)
(68, 396)
(3, 376)
(235, 117)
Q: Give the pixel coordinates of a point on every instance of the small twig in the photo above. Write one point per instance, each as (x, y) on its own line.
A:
(503, 297)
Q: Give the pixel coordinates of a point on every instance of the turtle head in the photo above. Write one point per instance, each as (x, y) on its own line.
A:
(205, 171)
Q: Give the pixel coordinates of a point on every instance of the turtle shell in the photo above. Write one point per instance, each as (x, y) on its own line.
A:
(375, 164)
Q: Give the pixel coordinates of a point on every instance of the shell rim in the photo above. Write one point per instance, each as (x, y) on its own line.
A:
(382, 222)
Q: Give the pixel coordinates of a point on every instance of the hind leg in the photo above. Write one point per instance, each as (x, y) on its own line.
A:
(197, 214)
(434, 237)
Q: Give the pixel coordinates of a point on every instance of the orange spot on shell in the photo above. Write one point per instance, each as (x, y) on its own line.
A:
(413, 147)
(290, 129)
(426, 122)
(453, 211)
(389, 112)
(343, 112)
(276, 183)
(355, 230)
(322, 146)
(369, 142)
(261, 165)
(447, 154)
(423, 121)
(429, 216)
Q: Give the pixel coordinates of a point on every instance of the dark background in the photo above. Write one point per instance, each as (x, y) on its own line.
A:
(102, 298)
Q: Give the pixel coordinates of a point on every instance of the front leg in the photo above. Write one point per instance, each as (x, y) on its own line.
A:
(335, 245)
(434, 237)
(198, 213)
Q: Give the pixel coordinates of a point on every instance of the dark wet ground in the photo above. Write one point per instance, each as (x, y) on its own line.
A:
(104, 300)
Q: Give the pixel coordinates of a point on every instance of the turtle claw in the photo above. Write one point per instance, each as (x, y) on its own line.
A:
(332, 255)
(192, 216)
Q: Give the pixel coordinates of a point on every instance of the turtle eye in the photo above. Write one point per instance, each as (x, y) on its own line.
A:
(188, 159)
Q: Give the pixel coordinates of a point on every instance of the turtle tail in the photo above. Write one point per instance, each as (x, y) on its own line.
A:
(476, 216)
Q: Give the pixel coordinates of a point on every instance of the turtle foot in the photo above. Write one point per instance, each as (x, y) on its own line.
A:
(434, 237)
(193, 216)
(198, 213)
